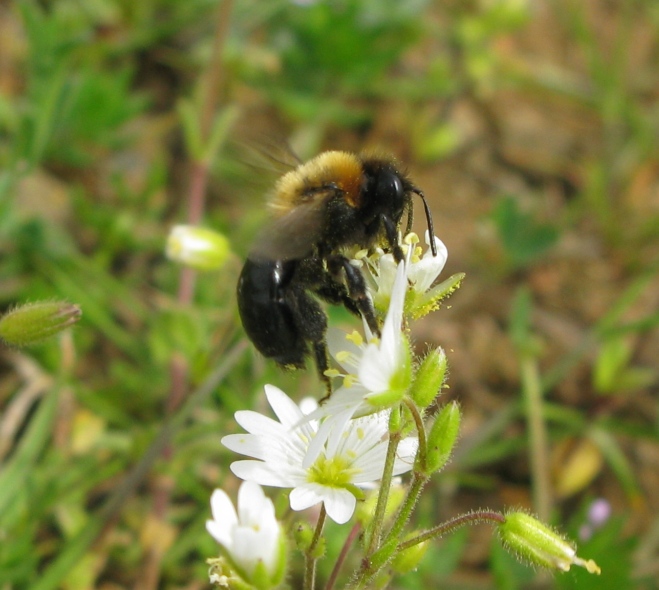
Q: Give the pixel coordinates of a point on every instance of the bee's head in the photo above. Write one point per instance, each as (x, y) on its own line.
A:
(388, 194)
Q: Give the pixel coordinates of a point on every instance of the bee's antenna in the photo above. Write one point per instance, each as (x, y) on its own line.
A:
(431, 229)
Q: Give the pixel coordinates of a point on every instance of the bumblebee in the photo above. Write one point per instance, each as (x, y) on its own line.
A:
(320, 209)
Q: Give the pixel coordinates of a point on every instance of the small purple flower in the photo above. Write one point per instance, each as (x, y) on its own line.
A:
(598, 514)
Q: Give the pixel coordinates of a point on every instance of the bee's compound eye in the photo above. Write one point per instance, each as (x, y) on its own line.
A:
(391, 191)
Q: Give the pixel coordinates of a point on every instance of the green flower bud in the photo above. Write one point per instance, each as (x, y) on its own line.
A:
(409, 559)
(366, 509)
(303, 535)
(34, 322)
(441, 438)
(538, 544)
(429, 378)
(198, 247)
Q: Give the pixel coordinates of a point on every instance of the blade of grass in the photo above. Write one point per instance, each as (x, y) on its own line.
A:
(69, 557)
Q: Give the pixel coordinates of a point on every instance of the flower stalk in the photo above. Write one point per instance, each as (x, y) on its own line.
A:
(311, 556)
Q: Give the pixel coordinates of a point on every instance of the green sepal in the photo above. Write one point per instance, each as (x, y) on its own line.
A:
(429, 301)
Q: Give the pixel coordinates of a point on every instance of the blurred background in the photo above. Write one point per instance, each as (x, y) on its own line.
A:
(532, 128)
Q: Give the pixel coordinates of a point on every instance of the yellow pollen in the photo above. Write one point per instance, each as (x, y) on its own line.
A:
(355, 337)
(342, 355)
(411, 238)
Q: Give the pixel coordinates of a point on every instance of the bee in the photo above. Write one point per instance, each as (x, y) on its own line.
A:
(334, 202)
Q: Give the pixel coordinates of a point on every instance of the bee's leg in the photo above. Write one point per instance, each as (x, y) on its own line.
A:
(357, 293)
(322, 364)
(391, 231)
(410, 217)
(311, 321)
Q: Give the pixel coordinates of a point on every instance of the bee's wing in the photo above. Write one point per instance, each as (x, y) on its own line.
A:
(266, 156)
(291, 236)
(279, 154)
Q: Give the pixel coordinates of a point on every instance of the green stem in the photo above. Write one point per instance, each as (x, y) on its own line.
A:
(422, 453)
(418, 483)
(419, 480)
(385, 486)
(449, 526)
(538, 449)
(310, 556)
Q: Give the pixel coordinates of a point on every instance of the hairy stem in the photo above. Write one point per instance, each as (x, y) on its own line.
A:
(476, 517)
(310, 557)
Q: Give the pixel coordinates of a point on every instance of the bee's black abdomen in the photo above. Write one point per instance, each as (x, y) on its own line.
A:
(278, 315)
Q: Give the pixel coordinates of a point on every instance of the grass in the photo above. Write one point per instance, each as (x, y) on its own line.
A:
(531, 128)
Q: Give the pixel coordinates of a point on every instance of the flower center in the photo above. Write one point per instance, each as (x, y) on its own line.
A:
(335, 472)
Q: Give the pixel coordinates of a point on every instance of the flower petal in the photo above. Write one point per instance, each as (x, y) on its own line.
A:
(224, 518)
(283, 406)
(340, 504)
(266, 475)
(305, 496)
(253, 504)
(246, 444)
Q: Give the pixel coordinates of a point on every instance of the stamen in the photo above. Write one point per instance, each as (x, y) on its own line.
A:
(342, 356)
(411, 238)
(355, 337)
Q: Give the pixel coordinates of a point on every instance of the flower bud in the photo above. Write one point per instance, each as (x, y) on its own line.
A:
(538, 544)
(441, 438)
(429, 378)
(408, 559)
(366, 509)
(303, 535)
(34, 322)
(198, 247)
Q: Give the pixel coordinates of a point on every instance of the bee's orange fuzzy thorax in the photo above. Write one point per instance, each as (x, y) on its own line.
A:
(306, 182)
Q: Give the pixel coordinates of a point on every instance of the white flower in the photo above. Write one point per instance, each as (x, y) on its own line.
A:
(422, 269)
(348, 457)
(251, 536)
